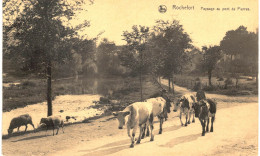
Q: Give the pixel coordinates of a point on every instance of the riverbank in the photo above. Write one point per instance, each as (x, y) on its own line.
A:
(101, 136)
(84, 107)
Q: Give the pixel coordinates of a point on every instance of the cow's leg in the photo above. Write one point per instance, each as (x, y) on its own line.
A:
(193, 120)
(189, 117)
(161, 123)
(148, 131)
(18, 129)
(207, 128)
(128, 133)
(140, 134)
(143, 133)
(165, 115)
(186, 119)
(46, 130)
(58, 127)
(151, 127)
(133, 136)
(62, 128)
(25, 128)
(32, 126)
(180, 119)
(212, 120)
(203, 126)
(53, 129)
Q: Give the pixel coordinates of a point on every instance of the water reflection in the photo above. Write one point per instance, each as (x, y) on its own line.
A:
(85, 85)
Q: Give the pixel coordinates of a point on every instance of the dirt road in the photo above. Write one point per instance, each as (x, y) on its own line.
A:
(235, 133)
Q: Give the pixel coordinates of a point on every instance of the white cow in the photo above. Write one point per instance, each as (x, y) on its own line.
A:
(159, 108)
(185, 104)
(140, 114)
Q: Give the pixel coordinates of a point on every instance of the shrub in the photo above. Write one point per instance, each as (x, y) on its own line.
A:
(197, 79)
(221, 79)
(28, 84)
(210, 88)
(228, 82)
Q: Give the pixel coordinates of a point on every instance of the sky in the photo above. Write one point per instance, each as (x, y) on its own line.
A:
(204, 27)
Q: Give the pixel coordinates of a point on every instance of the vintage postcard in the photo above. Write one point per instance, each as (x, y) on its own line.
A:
(129, 77)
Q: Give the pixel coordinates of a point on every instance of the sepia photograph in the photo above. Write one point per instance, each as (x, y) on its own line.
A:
(130, 77)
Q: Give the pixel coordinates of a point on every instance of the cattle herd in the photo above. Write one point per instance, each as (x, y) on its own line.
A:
(141, 115)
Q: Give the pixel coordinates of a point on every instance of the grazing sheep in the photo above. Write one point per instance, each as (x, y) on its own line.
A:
(54, 122)
(19, 121)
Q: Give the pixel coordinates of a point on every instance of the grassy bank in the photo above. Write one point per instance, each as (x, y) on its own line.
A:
(244, 87)
(124, 90)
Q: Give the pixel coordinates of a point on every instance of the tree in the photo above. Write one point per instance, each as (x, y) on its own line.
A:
(106, 56)
(210, 59)
(39, 33)
(232, 43)
(172, 43)
(136, 42)
(244, 45)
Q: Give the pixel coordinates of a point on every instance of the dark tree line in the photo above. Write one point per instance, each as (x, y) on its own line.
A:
(39, 35)
(236, 55)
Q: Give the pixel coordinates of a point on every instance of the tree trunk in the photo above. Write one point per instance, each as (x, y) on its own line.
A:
(236, 82)
(256, 79)
(209, 76)
(49, 96)
(172, 86)
(141, 70)
(141, 88)
(169, 84)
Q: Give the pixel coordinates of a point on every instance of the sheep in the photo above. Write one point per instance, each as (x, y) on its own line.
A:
(54, 122)
(19, 121)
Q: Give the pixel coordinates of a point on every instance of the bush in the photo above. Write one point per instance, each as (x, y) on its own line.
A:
(221, 79)
(210, 88)
(228, 82)
(28, 84)
(197, 79)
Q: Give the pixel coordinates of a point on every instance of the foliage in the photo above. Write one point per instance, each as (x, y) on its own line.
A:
(242, 46)
(170, 42)
(38, 35)
(211, 57)
(132, 54)
(107, 59)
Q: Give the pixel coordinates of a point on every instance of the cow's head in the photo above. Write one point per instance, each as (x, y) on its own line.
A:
(197, 107)
(179, 103)
(43, 121)
(121, 118)
(10, 131)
